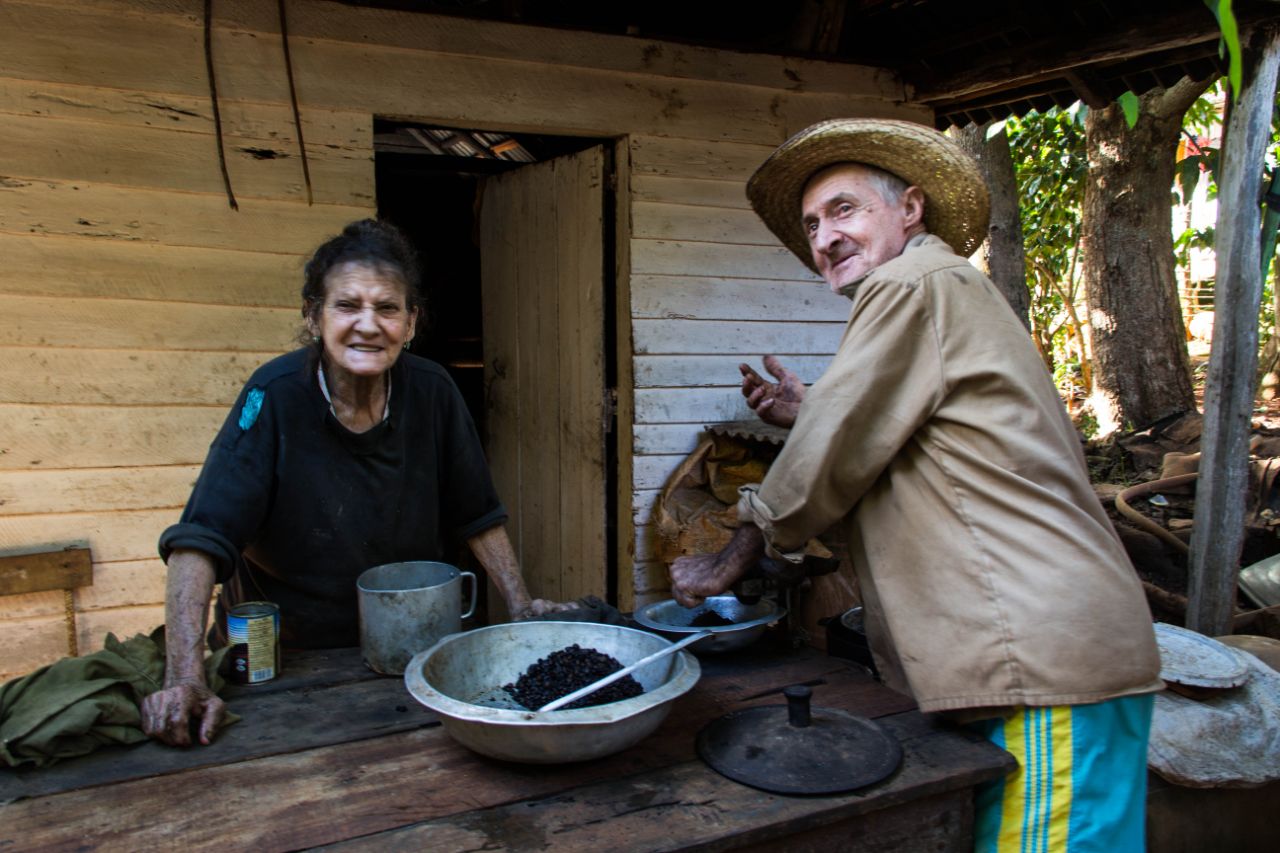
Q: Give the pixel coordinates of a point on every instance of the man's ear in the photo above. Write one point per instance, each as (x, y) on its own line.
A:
(913, 206)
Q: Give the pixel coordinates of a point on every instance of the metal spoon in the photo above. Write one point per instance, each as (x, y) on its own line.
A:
(614, 676)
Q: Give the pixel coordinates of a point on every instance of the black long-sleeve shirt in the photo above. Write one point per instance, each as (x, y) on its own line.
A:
(292, 506)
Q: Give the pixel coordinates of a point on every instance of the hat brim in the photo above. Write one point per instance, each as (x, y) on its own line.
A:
(957, 204)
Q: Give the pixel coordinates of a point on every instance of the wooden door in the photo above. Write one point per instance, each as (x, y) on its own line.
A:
(543, 287)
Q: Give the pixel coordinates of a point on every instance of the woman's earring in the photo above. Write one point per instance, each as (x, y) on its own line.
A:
(406, 343)
(315, 339)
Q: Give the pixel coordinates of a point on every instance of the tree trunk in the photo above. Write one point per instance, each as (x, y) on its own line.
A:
(1001, 256)
(1141, 369)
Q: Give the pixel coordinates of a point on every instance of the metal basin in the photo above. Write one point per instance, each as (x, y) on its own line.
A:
(749, 621)
(461, 679)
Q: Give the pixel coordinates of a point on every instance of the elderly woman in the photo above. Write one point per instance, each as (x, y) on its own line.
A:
(346, 454)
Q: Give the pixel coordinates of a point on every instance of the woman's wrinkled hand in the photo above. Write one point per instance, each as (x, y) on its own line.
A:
(168, 714)
(541, 607)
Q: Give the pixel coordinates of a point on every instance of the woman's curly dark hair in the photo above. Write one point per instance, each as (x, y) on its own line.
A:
(370, 241)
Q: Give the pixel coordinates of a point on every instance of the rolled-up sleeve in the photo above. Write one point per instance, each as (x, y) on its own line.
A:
(232, 495)
(885, 381)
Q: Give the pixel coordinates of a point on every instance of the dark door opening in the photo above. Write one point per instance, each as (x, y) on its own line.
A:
(430, 181)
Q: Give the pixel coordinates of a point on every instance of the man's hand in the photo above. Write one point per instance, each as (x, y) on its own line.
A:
(774, 402)
(698, 576)
(167, 714)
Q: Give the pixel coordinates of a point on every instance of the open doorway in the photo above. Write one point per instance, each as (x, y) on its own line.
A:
(514, 232)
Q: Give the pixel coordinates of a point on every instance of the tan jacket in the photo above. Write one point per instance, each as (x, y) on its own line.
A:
(974, 530)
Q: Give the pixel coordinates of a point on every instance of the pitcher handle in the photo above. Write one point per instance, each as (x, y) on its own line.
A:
(474, 596)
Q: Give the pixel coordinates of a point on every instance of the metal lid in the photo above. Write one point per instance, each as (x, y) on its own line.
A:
(1194, 660)
(1261, 582)
(1266, 649)
(795, 749)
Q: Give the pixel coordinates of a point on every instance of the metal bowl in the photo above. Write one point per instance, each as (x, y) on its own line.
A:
(461, 679)
(749, 621)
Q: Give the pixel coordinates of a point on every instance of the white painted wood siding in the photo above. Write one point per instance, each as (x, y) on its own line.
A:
(710, 288)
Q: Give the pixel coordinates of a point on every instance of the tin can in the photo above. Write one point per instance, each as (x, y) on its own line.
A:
(253, 628)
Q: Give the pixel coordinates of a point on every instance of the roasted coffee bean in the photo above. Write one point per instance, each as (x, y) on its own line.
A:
(709, 619)
(564, 671)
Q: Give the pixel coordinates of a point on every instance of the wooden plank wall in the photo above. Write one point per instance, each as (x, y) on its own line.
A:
(134, 302)
(710, 288)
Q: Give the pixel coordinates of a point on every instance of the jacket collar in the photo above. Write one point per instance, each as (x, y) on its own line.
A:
(924, 238)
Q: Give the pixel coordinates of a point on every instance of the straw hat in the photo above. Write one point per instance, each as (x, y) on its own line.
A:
(957, 206)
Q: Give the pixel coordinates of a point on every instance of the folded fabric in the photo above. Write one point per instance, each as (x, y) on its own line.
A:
(77, 704)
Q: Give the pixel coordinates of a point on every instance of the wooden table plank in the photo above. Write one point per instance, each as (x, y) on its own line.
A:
(324, 698)
(690, 807)
(304, 668)
(332, 793)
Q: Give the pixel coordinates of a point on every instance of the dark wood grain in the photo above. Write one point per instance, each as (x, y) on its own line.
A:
(304, 795)
(324, 698)
(690, 807)
(332, 755)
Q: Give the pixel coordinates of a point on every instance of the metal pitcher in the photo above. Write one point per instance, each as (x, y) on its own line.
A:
(407, 607)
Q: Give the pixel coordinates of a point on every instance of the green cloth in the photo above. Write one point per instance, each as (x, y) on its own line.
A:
(78, 704)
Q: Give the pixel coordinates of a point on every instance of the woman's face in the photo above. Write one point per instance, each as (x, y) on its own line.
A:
(365, 320)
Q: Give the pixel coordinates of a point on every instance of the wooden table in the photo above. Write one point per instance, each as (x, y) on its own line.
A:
(330, 754)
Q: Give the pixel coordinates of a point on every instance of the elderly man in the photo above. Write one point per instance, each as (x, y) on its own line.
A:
(997, 591)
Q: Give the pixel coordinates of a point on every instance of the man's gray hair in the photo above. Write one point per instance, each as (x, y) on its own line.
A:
(887, 184)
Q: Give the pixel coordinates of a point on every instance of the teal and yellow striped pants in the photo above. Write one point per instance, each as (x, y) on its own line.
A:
(1081, 782)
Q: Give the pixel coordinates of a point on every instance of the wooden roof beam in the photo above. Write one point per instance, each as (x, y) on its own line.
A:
(1108, 81)
(1045, 58)
(1087, 87)
(1045, 93)
(818, 28)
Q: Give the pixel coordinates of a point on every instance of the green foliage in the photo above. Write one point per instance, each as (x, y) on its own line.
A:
(1050, 164)
(1202, 165)
(1230, 43)
(1129, 106)
(1087, 423)
(1201, 125)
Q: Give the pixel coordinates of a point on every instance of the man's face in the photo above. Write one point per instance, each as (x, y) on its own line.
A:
(851, 229)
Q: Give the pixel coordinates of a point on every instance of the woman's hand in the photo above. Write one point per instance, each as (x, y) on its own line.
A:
(541, 607)
(493, 549)
(168, 714)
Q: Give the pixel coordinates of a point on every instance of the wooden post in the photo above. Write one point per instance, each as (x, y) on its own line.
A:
(1229, 388)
